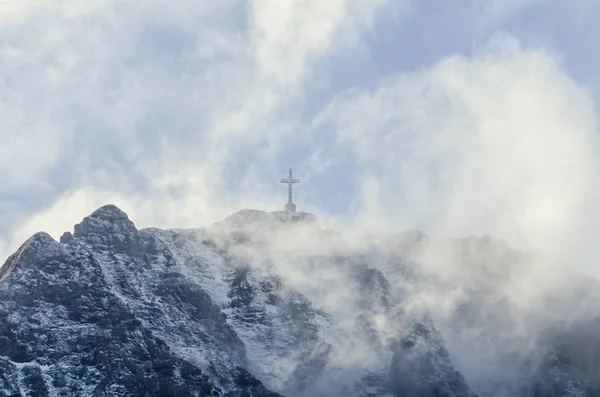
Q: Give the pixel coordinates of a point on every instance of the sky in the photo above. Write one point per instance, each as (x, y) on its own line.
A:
(462, 117)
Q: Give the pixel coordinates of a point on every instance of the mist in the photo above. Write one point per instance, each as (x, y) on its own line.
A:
(493, 304)
(465, 171)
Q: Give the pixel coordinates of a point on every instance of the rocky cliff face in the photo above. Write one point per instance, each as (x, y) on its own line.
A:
(260, 304)
(510, 329)
(90, 317)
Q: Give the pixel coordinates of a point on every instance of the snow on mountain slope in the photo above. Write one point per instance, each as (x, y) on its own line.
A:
(111, 310)
(275, 323)
(95, 316)
(509, 330)
(278, 278)
(263, 298)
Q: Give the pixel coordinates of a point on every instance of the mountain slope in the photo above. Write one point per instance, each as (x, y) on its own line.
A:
(512, 328)
(90, 317)
(111, 310)
(256, 305)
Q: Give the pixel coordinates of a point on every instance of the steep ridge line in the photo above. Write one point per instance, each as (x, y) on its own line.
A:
(259, 301)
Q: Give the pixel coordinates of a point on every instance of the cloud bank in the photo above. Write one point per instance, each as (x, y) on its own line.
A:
(182, 115)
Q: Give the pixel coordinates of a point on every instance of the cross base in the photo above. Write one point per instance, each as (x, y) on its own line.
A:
(290, 207)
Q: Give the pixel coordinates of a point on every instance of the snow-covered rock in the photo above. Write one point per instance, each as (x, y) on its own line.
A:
(259, 304)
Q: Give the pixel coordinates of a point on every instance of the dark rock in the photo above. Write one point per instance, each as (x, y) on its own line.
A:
(66, 238)
(89, 318)
(420, 355)
(40, 246)
(113, 311)
(110, 227)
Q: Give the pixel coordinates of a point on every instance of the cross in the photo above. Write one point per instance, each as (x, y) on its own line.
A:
(290, 181)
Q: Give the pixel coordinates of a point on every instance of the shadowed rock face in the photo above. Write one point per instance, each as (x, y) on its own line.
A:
(116, 311)
(113, 311)
(29, 251)
(90, 317)
(108, 226)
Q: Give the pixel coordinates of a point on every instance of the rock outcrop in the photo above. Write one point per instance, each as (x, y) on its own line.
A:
(263, 304)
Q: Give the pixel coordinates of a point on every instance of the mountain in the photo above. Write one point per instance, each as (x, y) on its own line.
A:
(95, 317)
(514, 327)
(270, 304)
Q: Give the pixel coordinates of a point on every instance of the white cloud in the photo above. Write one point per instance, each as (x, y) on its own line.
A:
(504, 143)
(289, 34)
(157, 108)
(108, 97)
(153, 102)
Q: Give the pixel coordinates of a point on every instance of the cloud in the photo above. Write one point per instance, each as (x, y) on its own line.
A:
(186, 104)
(502, 142)
(290, 34)
(196, 110)
(183, 115)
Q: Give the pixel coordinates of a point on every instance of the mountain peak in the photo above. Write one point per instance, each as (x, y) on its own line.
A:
(248, 218)
(106, 219)
(109, 212)
(109, 226)
(251, 217)
(30, 249)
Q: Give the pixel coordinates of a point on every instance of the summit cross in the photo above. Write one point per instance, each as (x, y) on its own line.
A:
(290, 206)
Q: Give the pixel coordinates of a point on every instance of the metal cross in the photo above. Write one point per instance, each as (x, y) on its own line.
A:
(290, 181)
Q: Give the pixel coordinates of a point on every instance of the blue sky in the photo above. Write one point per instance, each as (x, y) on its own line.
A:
(456, 117)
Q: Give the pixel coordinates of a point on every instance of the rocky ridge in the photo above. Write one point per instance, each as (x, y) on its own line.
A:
(260, 304)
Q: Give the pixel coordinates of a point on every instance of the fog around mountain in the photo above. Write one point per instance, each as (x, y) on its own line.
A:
(292, 308)
(445, 243)
(455, 119)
